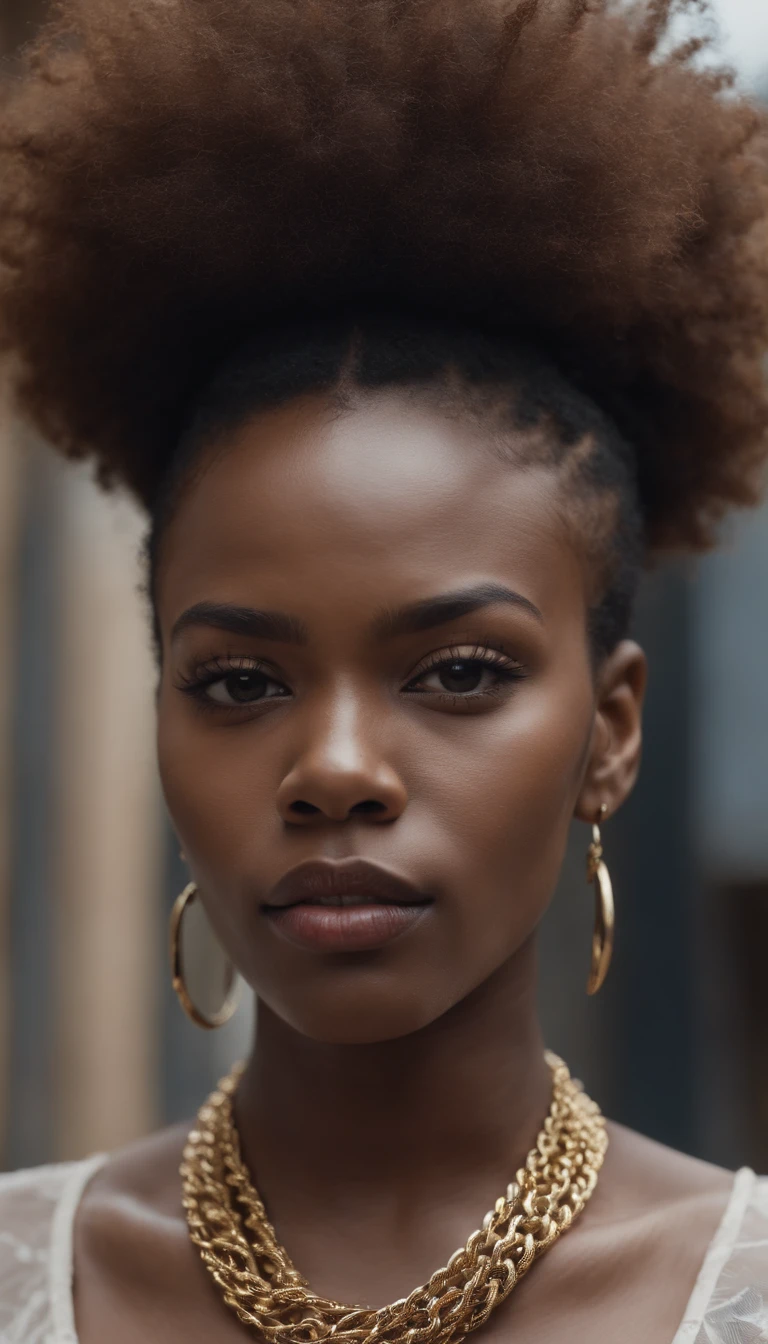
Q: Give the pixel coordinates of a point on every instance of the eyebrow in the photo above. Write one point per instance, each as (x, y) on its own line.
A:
(431, 611)
(424, 614)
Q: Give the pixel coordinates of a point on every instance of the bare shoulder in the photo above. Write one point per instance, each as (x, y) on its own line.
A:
(134, 1201)
(655, 1206)
(137, 1273)
(146, 1170)
(637, 1249)
(643, 1178)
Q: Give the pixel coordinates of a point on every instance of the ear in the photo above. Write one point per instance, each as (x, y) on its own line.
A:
(614, 754)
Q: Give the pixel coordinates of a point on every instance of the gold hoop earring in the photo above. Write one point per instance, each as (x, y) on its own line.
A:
(177, 970)
(602, 935)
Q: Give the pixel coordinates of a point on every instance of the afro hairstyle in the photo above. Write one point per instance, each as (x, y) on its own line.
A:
(178, 175)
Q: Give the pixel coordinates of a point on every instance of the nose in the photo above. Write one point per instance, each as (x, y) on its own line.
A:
(341, 772)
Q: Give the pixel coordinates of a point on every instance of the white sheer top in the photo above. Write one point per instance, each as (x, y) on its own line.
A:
(729, 1304)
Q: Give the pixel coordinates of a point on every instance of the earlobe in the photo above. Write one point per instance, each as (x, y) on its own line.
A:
(614, 757)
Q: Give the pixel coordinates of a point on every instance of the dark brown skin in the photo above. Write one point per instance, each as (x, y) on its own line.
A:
(391, 1095)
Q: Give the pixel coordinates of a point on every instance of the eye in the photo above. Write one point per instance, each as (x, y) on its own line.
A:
(461, 676)
(232, 683)
(467, 674)
(240, 688)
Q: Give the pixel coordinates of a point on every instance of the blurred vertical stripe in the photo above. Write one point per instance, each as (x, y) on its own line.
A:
(9, 490)
(33, 662)
(107, 828)
(82, 924)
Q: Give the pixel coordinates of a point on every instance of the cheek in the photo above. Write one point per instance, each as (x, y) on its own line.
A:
(508, 802)
(218, 789)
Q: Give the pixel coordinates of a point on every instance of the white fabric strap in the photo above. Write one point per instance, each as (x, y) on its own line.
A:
(718, 1254)
(60, 1264)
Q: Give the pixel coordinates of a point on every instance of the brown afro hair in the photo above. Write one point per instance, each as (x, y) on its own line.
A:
(177, 174)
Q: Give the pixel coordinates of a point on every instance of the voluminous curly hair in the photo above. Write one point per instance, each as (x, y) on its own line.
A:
(178, 175)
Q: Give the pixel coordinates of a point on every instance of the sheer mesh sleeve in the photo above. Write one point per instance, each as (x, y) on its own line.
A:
(36, 1213)
(729, 1304)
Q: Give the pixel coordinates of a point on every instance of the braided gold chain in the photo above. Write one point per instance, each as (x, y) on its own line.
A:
(229, 1225)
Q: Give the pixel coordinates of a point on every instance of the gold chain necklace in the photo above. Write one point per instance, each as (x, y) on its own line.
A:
(228, 1223)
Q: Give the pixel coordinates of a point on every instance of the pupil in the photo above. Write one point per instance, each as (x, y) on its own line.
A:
(462, 676)
(244, 686)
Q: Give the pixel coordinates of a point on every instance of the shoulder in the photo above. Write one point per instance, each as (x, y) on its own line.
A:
(711, 1224)
(653, 1176)
(132, 1252)
(131, 1216)
(33, 1231)
(730, 1298)
(646, 1180)
(143, 1176)
(105, 1204)
(650, 1184)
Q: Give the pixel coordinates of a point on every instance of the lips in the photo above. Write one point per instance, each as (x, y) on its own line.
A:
(332, 880)
(345, 905)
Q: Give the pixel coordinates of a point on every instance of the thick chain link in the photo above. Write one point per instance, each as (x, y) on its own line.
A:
(229, 1224)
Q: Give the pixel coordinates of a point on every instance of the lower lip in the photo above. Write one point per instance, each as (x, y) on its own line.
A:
(344, 928)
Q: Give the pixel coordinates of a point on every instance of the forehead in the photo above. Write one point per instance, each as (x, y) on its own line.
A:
(387, 500)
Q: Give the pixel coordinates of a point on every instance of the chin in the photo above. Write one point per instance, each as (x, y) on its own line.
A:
(369, 1015)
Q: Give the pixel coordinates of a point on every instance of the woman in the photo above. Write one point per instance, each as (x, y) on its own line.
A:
(418, 329)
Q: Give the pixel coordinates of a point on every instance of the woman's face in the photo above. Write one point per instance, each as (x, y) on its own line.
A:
(378, 713)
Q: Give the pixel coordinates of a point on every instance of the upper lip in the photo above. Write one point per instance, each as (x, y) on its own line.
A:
(344, 877)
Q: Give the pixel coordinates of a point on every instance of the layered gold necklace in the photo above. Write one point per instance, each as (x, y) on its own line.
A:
(228, 1223)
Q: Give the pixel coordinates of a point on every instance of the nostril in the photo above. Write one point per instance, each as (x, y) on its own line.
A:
(300, 807)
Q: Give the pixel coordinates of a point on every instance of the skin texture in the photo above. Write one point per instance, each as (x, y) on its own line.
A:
(391, 1094)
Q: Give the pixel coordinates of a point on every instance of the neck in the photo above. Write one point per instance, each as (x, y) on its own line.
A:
(459, 1101)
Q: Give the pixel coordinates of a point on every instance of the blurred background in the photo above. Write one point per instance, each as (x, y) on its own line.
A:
(94, 1049)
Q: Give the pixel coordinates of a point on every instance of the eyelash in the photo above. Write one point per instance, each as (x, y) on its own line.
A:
(505, 668)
